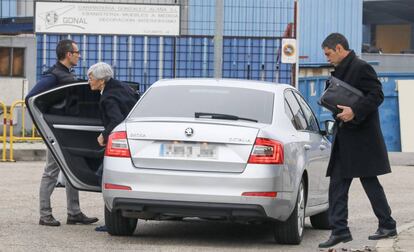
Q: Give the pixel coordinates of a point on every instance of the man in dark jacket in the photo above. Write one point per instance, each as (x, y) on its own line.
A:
(67, 53)
(358, 149)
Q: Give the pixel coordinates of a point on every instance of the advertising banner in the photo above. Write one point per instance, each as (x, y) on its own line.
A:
(103, 18)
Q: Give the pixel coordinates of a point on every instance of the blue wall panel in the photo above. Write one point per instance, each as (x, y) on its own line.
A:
(122, 67)
(138, 61)
(312, 88)
(152, 64)
(91, 50)
(8, 8)
(254, 58)
(168, 57)
(39, 52)
(267, 18)
(319, 18)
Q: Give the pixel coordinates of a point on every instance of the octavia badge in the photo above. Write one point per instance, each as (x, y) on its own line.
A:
(189, 132)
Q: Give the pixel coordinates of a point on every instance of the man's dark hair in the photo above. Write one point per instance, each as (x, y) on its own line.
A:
(64, 46)
(335, 39)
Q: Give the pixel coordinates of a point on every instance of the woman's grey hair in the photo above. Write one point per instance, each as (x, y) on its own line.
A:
(101, 71)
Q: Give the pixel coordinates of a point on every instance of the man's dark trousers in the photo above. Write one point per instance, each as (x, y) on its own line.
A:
(338, 201)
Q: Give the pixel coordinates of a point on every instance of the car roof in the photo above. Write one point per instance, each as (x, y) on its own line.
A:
(239, 83)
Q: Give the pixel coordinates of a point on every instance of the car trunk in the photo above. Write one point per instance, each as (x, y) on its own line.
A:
(185, 146)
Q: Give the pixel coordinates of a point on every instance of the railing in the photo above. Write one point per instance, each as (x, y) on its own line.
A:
(23, 137)
(4, 137)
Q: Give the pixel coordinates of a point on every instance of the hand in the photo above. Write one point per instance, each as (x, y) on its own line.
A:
(101, 140)
(347, 114)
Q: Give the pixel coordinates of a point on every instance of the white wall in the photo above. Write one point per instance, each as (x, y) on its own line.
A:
(406, 104)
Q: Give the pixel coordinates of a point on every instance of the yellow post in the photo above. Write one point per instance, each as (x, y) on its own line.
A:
(4, 137)
(23, 121)
(33, 130)
(11, 130)
(14, 138)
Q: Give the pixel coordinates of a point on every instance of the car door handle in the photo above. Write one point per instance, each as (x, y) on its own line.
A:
(322, 147)
(307, 147)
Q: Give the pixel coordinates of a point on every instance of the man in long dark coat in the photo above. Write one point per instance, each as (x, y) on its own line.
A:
(358, 149)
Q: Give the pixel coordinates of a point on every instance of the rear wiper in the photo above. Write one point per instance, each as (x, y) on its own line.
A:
(221, 116)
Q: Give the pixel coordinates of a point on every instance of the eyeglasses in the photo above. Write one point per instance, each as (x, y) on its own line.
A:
(75, 52)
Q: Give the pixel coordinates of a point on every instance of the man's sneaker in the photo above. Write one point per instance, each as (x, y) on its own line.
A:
(49, 220)
(80, 218)
(383, 233)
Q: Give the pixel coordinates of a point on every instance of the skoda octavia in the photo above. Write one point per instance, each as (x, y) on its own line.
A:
(235, 150)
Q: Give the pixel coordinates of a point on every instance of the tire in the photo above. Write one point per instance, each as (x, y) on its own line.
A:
(320, 221)
(291, 230)
(119, 225)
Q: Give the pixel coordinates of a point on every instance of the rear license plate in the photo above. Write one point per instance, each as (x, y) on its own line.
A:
(189, 150)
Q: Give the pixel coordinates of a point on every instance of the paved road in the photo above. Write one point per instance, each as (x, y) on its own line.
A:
(19, 230)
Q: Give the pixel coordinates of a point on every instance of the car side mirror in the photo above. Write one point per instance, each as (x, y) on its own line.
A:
(329, 127)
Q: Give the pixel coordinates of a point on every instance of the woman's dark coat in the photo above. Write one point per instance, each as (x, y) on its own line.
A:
(359, 145)
(116, 102)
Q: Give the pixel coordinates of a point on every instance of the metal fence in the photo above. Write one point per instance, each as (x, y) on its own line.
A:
(146, 59)
(252, 33)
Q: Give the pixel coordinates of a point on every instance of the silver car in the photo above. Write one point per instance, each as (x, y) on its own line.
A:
(238, 150)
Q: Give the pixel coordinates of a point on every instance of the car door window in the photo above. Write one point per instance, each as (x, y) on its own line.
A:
(295, 115)
(310, 117)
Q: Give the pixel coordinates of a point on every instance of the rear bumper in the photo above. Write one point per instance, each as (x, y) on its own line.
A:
(199, 194)
(188, 209)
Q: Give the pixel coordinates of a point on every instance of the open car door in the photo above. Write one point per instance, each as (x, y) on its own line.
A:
(68, 118)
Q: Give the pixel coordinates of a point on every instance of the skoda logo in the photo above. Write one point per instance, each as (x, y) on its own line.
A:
(189, 132)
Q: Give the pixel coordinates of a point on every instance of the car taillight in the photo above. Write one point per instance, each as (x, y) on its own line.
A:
(266, 151)
(109, 186)
(260, 194)
(117, 145)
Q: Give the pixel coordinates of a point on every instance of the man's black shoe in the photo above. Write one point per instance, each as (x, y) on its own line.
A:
(80, 218)
(335, 239)
(103, 228)
(383, 233)
(49, 220)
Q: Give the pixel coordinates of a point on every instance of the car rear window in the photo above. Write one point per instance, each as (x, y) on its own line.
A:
(185, 101)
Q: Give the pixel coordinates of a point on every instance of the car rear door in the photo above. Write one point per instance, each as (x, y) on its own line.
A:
(318, 154)
(314, 145)
(68, 118)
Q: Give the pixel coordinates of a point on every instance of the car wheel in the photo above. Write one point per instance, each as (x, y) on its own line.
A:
(320, 220)
(291, 230)
(119, 225)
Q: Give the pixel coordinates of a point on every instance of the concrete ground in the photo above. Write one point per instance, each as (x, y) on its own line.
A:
(405, 240)
(19, 229)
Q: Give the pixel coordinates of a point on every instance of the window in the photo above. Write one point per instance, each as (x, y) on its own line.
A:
(11, 62)
(186, 100)
(295, 115)
(288, 112)
(310, 117)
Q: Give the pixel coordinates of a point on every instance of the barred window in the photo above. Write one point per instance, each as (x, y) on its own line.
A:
(11, 62)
